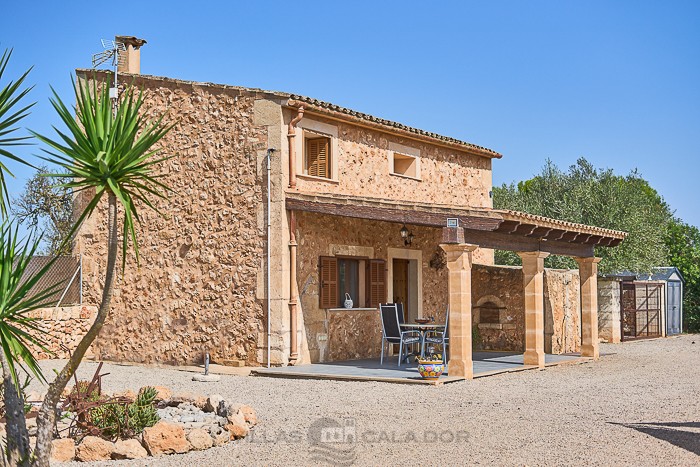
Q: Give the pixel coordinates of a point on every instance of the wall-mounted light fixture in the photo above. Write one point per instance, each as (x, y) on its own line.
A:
(406, 235)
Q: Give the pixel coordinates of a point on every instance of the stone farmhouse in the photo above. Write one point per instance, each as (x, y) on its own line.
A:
(357, 205)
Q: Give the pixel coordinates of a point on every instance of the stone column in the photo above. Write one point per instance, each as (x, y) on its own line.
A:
(459, 265)
(588, 271)
(533, 282)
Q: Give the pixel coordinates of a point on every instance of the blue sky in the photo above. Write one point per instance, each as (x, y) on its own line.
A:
(617, 82)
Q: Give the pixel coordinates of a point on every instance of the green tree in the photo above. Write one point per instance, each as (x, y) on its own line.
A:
(590, 196)
(683, 242)
(111, 153)
(48, 205)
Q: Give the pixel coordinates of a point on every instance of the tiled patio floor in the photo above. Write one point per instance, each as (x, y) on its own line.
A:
(485, 364)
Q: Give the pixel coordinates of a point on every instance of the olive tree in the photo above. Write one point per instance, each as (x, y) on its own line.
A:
(591, 196)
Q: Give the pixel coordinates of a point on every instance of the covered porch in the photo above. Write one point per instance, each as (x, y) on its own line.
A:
(459, 232)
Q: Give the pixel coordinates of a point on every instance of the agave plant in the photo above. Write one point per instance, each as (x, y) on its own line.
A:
(10, 115)
(111, 152)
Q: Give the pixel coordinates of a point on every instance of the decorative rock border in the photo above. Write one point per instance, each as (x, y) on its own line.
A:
(186, 423)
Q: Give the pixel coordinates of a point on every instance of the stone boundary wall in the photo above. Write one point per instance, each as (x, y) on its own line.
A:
(609, 311)
(62, 328)
(562, 311)
(502, 286)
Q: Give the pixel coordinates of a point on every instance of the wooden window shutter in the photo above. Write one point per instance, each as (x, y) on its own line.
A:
(318, 157)
(376, 282)
(328, 293)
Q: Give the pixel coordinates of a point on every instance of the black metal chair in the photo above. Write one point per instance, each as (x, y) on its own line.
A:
(392, 333)
(440, 337)
(399, 309)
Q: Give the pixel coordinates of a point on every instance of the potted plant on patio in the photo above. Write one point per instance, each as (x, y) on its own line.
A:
(431, 366)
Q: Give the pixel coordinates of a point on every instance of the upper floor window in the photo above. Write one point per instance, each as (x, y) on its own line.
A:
(318, 151)
(317, 155)
(405, 165)
(404, 161)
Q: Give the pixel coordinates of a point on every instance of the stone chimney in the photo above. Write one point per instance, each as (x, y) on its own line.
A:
(132, 62)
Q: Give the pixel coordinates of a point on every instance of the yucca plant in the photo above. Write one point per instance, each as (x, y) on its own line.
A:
(11, 113)
(110, 152)
(18, 330)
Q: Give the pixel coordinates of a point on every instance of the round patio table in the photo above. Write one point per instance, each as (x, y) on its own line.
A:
(423, 329)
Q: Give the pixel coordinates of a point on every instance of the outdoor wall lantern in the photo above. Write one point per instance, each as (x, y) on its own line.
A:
(406, 235)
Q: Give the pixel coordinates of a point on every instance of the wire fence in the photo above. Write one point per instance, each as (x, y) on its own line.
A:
(65, 271)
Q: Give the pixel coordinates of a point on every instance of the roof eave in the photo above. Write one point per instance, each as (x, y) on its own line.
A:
(358, 118)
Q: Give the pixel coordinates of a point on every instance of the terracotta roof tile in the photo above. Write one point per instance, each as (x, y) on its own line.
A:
(389, 123)
(556, 223)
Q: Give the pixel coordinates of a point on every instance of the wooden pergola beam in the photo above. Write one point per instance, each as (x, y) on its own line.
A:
(379, 213)
(501, 241)
(540, 232)
(555, 234)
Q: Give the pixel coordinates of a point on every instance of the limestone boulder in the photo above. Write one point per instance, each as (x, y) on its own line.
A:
(163, 393)
(62, 450)
(251, 417)
(129, 449)
(181, 398)
(201, 402)
(213, 402)
(200, 439)
(165, 438)
(128, 394)
(93, 449)
(227, 409)
(237, 426)
(219, 435)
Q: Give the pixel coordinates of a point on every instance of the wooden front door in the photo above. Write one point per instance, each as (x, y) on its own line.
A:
(400, 282)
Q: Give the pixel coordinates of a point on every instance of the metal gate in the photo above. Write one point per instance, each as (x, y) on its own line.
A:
(673, 308)
(641, 309)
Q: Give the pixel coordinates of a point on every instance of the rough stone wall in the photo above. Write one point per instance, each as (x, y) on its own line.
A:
(503, 286)
(330, 334)
(195, 288)
(447, 175)
(562, 311)
(62, 328)
(354, 334)
(609, 310)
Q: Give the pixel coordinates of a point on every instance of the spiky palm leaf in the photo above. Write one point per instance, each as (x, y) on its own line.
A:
(19, 331)
(10, 96)
(108, 151)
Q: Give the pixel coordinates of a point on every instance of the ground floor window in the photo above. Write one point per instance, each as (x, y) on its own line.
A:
(362, 279)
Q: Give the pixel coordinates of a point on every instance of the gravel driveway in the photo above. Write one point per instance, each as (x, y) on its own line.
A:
(639, 405)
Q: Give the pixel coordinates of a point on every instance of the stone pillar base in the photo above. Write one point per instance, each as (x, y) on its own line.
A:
(588, 350)
(532, 357)
(463, 368)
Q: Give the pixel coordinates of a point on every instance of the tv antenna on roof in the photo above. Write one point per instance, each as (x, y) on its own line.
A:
(115, 52)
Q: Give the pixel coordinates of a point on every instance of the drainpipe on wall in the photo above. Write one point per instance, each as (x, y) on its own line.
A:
(294, 351)
(269, 224)
(291, 134)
